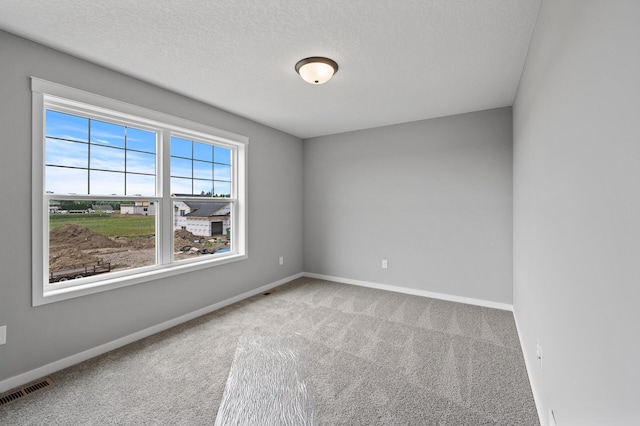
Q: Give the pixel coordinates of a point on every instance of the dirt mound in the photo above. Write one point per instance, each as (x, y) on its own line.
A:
(79, 237)
(186, 240)
(67, 258)
(183, 238)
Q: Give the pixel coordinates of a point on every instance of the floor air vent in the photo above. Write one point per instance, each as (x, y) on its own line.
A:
(22, 392)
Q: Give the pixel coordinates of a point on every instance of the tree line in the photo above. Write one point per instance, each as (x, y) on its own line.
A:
(86, 205)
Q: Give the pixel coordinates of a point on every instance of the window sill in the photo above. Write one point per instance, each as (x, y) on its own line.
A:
(57, 295)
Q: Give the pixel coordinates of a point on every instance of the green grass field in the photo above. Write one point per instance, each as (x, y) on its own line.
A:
(109, 225)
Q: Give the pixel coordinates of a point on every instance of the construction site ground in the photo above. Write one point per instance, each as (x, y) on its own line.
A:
(73, 245)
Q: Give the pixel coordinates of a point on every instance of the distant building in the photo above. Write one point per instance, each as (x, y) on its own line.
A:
(145, 208)
(102, 208)
(205, 219)
(54, 206)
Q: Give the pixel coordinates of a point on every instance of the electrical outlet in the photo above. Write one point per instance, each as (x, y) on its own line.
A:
(539, 352)
(384, 264)
(3, 335)
(281, 260)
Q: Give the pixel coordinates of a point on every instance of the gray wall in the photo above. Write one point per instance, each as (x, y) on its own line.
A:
(434, 197)
(577, 211)
(37, 336)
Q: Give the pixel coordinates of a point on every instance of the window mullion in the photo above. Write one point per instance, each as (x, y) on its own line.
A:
(165, 221)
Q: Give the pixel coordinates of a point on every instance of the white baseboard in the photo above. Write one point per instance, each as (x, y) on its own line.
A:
(415, 292)
(536, 396)
(39, 372)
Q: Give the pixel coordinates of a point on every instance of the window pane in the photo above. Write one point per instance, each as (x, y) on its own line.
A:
(106, 183)
(88, 238)
(222, 155)
(181, 147)
(203, 187)
(197, 164)
(141, 140)
(222, 172)
(69, 154)
(222, 189)
(139, 162)
(107, 134)
(66, 126)
(202, 151)
(140, 184)
(181, 186)
(61, 180)
(202, 170)
(105, 158)
(181, 167)
(201, 228)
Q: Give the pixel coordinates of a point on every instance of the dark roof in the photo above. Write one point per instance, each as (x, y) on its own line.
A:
(199, 209)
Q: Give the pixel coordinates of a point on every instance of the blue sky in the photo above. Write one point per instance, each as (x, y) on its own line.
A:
(68, 145)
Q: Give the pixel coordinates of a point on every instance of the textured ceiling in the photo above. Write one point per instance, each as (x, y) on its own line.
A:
(399, 60)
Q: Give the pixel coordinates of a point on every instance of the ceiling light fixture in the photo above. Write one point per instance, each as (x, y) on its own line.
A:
(316, 70)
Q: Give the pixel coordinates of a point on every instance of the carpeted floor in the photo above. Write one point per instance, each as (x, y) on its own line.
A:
(373, 357)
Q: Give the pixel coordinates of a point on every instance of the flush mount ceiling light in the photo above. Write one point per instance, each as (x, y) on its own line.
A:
(316, 70)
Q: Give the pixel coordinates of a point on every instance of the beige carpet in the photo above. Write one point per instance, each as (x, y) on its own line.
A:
(373, 357)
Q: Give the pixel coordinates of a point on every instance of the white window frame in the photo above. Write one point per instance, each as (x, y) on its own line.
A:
(49, 95)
